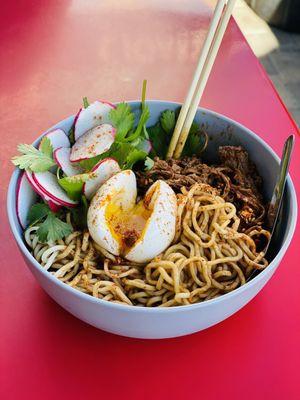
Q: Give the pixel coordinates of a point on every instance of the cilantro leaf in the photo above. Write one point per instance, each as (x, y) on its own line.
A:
(143, 119)
(89, 163)
(148, 163)
(119, 151)
(85, 102)
(79, 214)
(133, 157)
(122, 119)
(46, 146)
(35, 160)
(168, 121)
(159, 139)
(160, 133)
(53, 229)
(196, 141)
(73, 185)
(37, 212)
(160, 136)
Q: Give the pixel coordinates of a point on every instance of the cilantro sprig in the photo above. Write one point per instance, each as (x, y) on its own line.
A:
(79, 214)
(168, 121)
(123, 120)
(35, 160)
(51, 227)
(160, 135)
(85, 102)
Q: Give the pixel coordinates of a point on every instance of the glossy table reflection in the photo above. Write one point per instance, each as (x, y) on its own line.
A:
(52, 54)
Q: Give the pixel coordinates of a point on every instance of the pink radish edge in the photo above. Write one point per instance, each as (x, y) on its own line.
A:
(52, 205)
(76, 117)
(54, 198)
(150, 146)
(114, 131)
(79, 111)
(17, 198)
(53, 130)
(55, 158)
(96, 166)
(109, 103)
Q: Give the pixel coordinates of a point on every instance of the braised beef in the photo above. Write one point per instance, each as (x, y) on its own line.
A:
(235, 178)
(237, 159)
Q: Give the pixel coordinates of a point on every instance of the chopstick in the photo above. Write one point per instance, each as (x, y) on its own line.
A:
(206, 60)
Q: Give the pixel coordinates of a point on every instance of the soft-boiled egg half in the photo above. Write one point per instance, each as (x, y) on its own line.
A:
(137, 231)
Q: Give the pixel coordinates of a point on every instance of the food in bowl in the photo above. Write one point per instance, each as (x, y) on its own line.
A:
(110, 216)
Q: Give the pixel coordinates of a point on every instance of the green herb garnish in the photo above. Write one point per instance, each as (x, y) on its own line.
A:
(160, 135)
(196, 141)
(51, 227)
(85, 102)
(37, 212)
(35, 160)
(168, 121)
(122, 119)
(79, 214)
(73, 185)
(148, 163)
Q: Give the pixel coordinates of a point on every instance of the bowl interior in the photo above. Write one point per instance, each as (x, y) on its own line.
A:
(221, 131)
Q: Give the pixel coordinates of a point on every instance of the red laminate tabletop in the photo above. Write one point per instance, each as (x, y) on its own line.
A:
(52, 54)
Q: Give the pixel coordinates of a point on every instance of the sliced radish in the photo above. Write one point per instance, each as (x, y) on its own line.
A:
(62, 159)
(53, 205)
(76, 117)
(58, 138)
(101, 172)
(108, 102)
(94, 142)
(145, 145)
(87, 118)
(48, 184)
(25, 198)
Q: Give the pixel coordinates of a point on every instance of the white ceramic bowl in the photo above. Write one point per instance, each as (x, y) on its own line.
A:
(140, 322)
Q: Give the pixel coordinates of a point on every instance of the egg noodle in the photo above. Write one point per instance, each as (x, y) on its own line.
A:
(209, 257)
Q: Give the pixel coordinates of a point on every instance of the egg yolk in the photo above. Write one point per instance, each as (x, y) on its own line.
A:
(127, 226)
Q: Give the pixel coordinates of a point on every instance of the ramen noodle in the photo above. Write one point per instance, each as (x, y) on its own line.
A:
(209, 257)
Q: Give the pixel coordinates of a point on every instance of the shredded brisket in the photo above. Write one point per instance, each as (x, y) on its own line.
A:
(235, 178)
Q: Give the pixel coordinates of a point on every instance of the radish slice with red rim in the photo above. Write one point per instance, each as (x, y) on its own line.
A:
(101, 172)
(93, 143)
(145, 145)
(48, 184)
(53, 205)
(58, 138)
(87, 118)
(62, 159)
(25, 198)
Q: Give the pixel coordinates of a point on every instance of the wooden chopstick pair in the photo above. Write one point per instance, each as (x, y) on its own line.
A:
(206, 60)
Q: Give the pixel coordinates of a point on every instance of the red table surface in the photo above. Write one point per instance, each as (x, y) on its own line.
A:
(52, 54)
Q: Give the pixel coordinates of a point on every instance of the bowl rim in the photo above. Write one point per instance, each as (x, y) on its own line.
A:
(12, 217)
